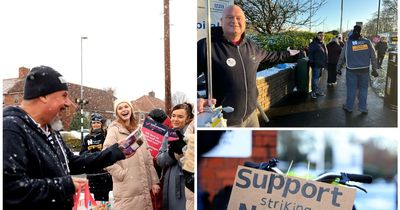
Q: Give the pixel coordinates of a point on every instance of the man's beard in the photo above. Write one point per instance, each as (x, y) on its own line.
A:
(56, 124)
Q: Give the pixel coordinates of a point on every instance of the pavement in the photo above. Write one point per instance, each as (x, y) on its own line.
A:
(300, 110)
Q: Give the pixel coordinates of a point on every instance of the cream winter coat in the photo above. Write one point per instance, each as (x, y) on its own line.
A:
(132, 177)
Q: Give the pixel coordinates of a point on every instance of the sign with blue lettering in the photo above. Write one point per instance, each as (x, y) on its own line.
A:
(217, 7)
(255, 189)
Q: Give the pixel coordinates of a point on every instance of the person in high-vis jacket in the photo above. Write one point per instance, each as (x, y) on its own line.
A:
(358, 54)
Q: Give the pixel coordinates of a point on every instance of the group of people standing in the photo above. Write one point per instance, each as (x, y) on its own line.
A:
(135, 181)
(321, 57)
(38, 164)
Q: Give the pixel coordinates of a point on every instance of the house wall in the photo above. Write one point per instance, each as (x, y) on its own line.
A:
(216, 173)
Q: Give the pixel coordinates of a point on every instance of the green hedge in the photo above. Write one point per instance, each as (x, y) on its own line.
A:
(281, 41)
(72, 142)
(292, 39)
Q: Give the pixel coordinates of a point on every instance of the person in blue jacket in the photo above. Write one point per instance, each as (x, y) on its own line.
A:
(37, 164)
(358, 54)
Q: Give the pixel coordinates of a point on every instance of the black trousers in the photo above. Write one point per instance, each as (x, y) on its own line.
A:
(380, 59)
(332, 73)
(100, 185)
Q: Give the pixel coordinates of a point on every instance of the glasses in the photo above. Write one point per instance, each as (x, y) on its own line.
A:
(96, 122)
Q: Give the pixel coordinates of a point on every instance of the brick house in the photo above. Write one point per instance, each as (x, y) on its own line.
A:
(143, 105)
(100, 101)
(218, 173)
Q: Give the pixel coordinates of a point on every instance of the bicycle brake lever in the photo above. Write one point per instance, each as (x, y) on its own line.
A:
(344, 179)
(358, 187)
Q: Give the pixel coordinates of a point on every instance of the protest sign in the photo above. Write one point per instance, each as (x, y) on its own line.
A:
(133, 142)
(154, 133)
(217, 7)
(255, 189)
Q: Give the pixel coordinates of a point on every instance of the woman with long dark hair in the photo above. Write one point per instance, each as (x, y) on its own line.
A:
(168, 158)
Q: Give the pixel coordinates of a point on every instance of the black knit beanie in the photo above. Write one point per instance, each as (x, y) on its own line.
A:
(158, 115)
(43, 80)
(356, 32)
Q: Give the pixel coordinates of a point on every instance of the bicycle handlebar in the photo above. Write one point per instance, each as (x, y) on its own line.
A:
(360, 178)
(326, 177)
(330, 177)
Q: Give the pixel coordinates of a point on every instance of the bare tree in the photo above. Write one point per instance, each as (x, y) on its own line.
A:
(179, 98)
(271, 16)
(387, 20)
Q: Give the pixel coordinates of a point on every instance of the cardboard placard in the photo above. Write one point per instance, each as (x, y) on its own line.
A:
(154, 133)
(255, 189)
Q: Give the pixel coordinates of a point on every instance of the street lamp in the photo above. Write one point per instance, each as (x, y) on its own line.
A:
(82, 101)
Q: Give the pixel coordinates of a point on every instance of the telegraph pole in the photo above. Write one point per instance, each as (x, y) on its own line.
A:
(377, 21)
(341, 16)
(167, 58)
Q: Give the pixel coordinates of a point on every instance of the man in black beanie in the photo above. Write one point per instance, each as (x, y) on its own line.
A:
(358, 54)
(37, 162)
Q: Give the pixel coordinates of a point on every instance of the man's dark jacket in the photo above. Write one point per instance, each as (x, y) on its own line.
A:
(35, 171)
(234, 72)
(334, 51)
(317, 54)
(381, 48)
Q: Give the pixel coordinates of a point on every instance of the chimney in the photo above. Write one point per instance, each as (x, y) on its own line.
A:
(152, 94)
(22, 72)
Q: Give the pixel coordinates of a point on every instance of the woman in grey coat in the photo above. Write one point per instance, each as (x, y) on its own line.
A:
(168, 158)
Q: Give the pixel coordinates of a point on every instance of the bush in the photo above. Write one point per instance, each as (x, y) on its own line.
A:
(299, 40)
(293, 39)
(72, 141)
(76, 122)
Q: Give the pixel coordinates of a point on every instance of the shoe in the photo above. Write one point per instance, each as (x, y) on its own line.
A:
(346, 109)
(313, 95)
(320, 93)
(363, 111)
(335, 83)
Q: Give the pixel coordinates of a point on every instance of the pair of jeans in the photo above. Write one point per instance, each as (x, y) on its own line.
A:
(316, 74)
(357, 80)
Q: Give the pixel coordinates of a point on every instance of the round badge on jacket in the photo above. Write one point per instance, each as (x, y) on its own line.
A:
(231, 62)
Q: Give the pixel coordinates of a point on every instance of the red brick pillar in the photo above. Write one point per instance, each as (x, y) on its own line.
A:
(216, 173)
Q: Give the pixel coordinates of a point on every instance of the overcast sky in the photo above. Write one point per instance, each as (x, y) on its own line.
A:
(124, 49)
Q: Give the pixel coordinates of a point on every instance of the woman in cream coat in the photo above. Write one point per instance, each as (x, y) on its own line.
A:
(133, 178)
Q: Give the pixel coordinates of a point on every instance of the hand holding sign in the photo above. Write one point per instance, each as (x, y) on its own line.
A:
(132, 143)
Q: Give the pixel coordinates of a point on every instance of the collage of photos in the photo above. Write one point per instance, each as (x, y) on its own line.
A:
(293, 105)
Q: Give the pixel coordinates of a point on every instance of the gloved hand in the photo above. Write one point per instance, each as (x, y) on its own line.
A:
(176, 145)
(189, 180)
(374, 73)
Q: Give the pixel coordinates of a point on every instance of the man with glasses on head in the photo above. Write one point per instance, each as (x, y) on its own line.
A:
(318, 58)
(235, 61)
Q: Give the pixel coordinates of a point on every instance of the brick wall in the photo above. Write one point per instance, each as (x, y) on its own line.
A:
(216, 173)
(273, 88)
